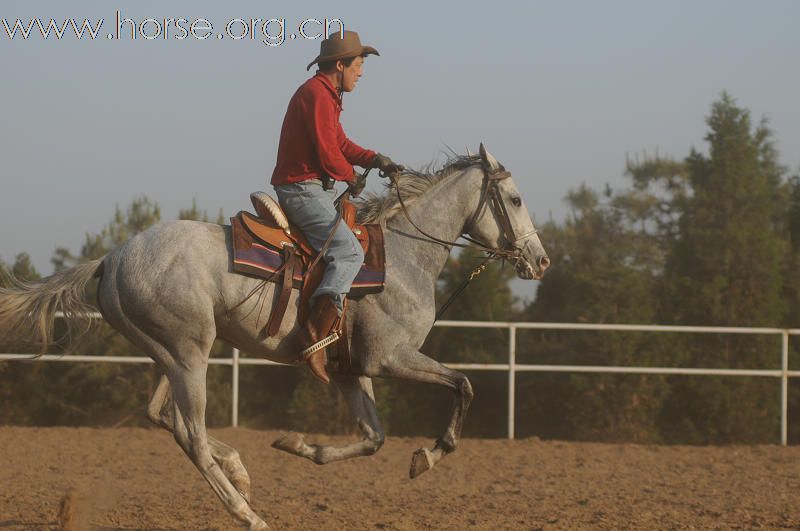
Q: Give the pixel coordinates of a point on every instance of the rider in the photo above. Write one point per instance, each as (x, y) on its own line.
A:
(313, 153)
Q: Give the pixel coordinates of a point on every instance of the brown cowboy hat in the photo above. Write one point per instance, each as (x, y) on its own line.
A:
(341, 47)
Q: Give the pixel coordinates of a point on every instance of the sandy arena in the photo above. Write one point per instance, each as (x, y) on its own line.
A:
(139, 479)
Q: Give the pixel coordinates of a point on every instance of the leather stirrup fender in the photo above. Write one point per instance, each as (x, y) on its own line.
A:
(276, 316)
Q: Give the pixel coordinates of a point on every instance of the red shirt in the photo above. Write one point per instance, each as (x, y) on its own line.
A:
(312, 141)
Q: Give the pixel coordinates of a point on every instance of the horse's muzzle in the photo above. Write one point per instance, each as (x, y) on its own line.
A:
(527, 271)
(542, 263)
(536, 272)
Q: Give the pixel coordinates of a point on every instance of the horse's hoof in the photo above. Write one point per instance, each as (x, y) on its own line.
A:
(291, 442)
(258, 526)
(421, 461)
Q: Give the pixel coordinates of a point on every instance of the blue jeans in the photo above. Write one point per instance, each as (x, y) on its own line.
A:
(311, 208)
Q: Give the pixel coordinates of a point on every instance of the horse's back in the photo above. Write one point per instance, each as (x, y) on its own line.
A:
(173, 257)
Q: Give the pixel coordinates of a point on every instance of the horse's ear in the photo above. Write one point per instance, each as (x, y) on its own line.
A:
(488, 162)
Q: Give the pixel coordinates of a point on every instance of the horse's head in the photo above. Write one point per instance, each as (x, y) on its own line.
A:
(502, 221)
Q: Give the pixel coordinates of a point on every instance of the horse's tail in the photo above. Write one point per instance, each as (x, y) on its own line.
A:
(28, 309)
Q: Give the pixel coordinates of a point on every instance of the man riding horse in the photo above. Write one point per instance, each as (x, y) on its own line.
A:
(313, 154)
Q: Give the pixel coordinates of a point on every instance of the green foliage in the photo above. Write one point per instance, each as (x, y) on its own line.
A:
(21, 269)
(606, 271)
(196, 214)
(702, 241)
(726, 268)
(726, 264)
(487, 297)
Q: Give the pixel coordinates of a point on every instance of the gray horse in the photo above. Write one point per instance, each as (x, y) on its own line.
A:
(171, 291)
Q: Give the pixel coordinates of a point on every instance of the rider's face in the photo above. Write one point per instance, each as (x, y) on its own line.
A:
(350, 74)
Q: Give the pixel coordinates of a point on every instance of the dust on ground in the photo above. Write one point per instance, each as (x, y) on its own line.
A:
(135, 478)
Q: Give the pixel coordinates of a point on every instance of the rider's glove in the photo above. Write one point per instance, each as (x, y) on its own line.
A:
(386, 165)
(356, 186)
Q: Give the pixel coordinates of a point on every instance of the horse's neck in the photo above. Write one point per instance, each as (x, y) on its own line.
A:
(442, 212)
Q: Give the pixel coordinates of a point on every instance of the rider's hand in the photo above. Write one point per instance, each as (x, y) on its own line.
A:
(386, 165)
(356, 186)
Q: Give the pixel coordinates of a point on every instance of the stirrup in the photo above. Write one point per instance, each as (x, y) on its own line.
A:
(319, 345)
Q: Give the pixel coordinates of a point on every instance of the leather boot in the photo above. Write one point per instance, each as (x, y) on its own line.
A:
(318, 326)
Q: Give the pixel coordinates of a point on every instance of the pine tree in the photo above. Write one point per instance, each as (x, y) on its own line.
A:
(196, 214)
(725, 269)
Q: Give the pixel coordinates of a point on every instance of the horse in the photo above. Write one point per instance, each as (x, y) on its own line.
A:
(171, 291)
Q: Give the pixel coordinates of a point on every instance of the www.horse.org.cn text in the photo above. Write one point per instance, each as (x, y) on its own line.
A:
(269, 31)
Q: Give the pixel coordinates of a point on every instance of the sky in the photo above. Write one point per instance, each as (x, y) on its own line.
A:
(560, 92)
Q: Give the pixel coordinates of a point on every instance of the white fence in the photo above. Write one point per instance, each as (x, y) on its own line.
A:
(512, 367)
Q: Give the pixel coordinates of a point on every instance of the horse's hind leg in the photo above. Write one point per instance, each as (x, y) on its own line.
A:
(160, 412)
(189, 396)
(361, 399)
(408, 363)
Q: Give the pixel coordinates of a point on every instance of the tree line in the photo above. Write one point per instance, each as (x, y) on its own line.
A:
(708, 239)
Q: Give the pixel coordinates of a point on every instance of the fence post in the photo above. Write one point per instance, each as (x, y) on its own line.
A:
(512, 380)
(784, 387)
(235, 390)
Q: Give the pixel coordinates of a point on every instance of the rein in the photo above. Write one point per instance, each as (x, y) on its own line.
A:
(472, 276)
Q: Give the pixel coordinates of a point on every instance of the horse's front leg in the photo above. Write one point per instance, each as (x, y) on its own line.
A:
(408, 363)
(361, 400)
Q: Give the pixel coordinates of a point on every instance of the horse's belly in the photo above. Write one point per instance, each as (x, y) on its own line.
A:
(244, 326)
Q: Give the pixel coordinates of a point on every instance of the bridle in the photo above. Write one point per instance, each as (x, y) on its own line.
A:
(491, 197)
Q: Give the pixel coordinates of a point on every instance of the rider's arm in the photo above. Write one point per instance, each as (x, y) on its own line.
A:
(323, 126)
(354, 153)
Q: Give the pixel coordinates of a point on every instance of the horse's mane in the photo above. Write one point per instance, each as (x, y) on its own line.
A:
(378, 208)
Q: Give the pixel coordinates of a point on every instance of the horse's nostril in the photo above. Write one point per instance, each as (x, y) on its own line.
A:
(544, 263)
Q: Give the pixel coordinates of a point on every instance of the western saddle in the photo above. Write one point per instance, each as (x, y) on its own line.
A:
(269, 247)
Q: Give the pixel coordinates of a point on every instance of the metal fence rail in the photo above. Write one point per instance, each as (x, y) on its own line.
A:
(512, 368)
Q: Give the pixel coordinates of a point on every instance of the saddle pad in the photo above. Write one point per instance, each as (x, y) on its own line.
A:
(254, 257)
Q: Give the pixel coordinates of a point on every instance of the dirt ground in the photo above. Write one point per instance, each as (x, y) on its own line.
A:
(139, 479)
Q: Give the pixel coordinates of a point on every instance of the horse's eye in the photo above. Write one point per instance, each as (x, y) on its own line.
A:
(516, 201)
